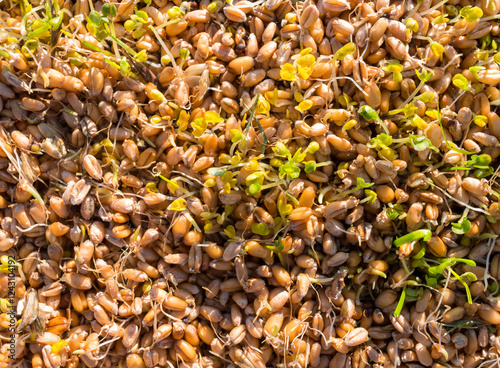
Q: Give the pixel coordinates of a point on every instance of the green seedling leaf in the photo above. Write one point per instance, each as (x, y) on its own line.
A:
(39, 31)
(437, 271)
(426, 97)
(475, 70)
(371, 196)
(483, 159)
(278, 247)
(415, 235)
(411, 24)
(94, 18)
(299, 156)
(360, 183)
(142, 16)
(431, 281)
(471, 14)
(368, 113)
(309, 167)
(461, 82)
(290, 170)
(236, 135)
(260, 229)
(55, 22)
(284, 209)
(254, 188)
(394, 212)
(424, 76)
(421, 143)
(312, 148)
(421, 252)
(413, 294)
(178, 205)
(281, 150)
(347, 49)
(462, 226)
(483, 173)
(108, 10)
(437, 49)
(141, 56)
(480, 120)
(254, 178)
(401, 303)
(230, 231)
(394, 67)
(462, 281)
(496, 58)
(470, 276)
(125, 69)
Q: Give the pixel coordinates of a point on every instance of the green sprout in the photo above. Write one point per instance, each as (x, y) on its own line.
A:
(283, 208)
(254, 182)
(424, 77)
(436, 48)
(415, 235)
(136, 22)
(347, 49)
(476, 69)
(183, 54)
(278, 249)
(470, 276)
(260, 229)
(230, 231)
(408, 110)
(200, 124)
(291, 168)
(171, 184)
(360, 184)
(496, 58)
(461, 82)
(421, 252)
(278, 246)
(463, 225)
(311, 166)
(98, 23)
(370, 114)
(371, 197)
(395, 68)
(471, 14)
(437, 271)
(407, 294)
(101, 26)
(478, 162)
(401, 303)
(25, 6)
(214, 6)
(48, 27)
(418, 143)
(7, 263)
(395, 212)
(382, 144)
(421, 143)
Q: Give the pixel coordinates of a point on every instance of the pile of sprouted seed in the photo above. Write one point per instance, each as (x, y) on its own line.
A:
(240, 184)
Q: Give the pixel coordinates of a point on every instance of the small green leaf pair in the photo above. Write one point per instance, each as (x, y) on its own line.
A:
(260, 229)
(394, 211)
